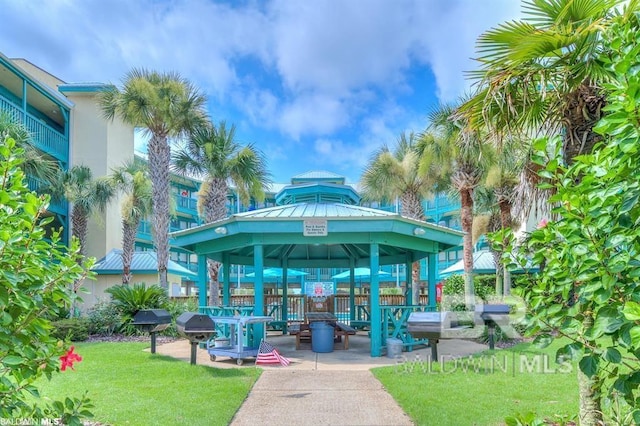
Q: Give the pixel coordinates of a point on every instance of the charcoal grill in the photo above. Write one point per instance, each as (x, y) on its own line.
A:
(493, 315)
(151, 321)
(196, 328)
(433, 326)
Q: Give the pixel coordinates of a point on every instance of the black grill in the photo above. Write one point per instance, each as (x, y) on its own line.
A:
(151, 321)
(195, 327)
(433, 326)
(493, 315)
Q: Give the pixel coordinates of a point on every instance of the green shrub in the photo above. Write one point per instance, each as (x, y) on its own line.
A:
(74, 329)
(130, 299)
(177, 307)
(104, 319)
(453, 290)
(36, 272)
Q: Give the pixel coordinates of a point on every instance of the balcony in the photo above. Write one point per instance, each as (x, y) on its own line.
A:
(44, 137)
(186, 205)
(145, 231)
(58, 207)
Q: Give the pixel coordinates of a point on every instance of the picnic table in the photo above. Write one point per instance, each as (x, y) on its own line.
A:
(303, 332)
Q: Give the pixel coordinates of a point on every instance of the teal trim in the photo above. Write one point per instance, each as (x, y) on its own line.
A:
(83, 87)
(317, 193)
(258, 308)
(226, 290)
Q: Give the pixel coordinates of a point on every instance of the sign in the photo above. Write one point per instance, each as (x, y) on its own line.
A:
(315, 228)
(318, 289)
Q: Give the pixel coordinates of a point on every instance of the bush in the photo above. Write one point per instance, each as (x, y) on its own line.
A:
(104, 319)
(74, 329)
(176, 308)
(36, 272)
(453, 289)
(128, 300)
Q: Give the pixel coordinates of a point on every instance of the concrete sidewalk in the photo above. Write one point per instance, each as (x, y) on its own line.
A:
(334, 388)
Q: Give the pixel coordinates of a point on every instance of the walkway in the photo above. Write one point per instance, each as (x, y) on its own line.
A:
(334, 388)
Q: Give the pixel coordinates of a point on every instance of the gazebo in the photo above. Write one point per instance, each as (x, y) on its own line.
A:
(322, 229)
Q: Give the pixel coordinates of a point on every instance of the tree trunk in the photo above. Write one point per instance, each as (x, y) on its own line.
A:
(79, 221)
(506, 221)
(582, 110)
(411, 207)
(128, 243)
(499, 272)
(466, 219)
(214, 204)
(159, 154)
(589, 390)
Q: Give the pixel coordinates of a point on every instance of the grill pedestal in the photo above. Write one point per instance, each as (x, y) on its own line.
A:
(151, 321)
(196, 328)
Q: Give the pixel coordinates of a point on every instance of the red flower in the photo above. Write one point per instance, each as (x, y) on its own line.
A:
(69, 358)
(543, 223)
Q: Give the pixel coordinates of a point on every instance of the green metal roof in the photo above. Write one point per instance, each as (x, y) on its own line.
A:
(318, 176)
(143, 262)
(317, 235)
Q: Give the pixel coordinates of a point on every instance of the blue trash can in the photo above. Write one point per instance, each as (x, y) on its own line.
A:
(321, 337)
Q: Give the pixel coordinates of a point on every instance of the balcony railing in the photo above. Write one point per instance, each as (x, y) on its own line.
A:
(186, 204)
(44, 137)
(36, 185)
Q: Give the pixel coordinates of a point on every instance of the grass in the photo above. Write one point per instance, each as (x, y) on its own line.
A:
(482, 392)
(131, 387)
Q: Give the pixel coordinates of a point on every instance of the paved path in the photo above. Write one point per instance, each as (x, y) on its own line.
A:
(318, 397)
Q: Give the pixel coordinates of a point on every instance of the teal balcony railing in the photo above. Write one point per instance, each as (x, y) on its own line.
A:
(186, 205)
(145, 230)
(44, 137)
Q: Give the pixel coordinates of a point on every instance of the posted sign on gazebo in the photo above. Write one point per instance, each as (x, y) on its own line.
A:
(318, 289)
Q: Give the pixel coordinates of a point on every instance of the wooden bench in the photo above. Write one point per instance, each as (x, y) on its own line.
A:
(302, 332)
(343, 330)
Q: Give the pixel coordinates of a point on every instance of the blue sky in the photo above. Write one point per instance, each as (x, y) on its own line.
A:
(316, 85)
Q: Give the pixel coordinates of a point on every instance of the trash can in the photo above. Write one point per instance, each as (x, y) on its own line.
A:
(321, 337)
(394, 348)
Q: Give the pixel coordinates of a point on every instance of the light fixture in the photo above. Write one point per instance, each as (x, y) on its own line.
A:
(419, 231)
(220, 230)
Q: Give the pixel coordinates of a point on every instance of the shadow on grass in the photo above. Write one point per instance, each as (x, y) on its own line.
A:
(213, 371)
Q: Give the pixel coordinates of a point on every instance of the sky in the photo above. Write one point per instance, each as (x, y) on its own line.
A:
(314, 85)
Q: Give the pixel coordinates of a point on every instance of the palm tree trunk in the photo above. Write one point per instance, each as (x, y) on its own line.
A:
(411, 207)
(79, 221)
(506, 221)
(159, 158)
(499, 272)
(128, 242)
(589, 391)
(466, 219)
(214, 204)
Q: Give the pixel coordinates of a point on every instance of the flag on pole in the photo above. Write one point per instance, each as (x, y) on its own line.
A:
(267, 355)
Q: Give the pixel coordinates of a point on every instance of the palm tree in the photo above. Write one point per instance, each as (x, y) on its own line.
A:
(457, 147)
(167, 106)
(503, 180)
(544, 74)
(214, 154)
(394, 174)
(132, 179)
(86, 195)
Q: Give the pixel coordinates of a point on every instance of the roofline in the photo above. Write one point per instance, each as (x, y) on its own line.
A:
(83, 87)
(43, 88)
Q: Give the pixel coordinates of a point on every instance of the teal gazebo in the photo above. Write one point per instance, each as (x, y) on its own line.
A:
(323, 228)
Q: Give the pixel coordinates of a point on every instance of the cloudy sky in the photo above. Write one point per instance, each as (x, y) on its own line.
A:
(316, 85)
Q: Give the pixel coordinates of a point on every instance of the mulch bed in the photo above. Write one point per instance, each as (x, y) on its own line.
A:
(119, 338)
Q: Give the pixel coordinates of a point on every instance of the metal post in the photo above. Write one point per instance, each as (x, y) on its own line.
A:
(376, 320)
(153, 342)
(434, 349)
(491, 332)
(431, 277)
(202, 280)
(194, 352)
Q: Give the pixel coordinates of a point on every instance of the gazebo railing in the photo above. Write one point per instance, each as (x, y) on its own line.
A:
(394, 324)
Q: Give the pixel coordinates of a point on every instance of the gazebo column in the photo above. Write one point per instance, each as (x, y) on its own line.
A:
(431, 276)
(226, 276)
(376, 319)
(258, 290)
(408, 271)
(285, 295)
(352, 290)
(203, 275)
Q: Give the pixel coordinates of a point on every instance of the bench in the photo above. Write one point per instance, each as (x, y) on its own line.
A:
(343, 330)
(360, 324)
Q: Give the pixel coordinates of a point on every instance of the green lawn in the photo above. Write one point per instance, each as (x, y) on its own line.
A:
(130, 386)
(485, 393)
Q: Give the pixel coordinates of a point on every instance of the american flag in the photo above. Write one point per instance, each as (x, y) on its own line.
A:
(268, 355)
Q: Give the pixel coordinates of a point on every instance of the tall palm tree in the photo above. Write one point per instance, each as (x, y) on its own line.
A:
(393, 174)
(214, 154)
(167, 106)
(132, 179)
(86, 195)
(503, 179)
(463, 156)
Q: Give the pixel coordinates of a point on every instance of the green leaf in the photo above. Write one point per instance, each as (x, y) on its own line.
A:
(612, 355)
(608, 320)
(543, 340)
(12, 360)
(631, 311)
(589, 365)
